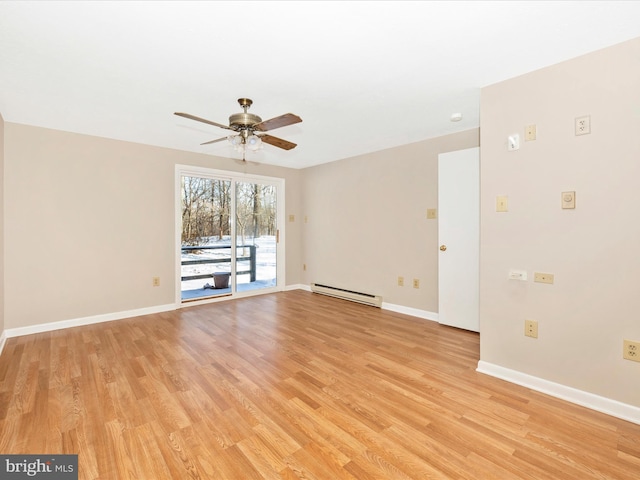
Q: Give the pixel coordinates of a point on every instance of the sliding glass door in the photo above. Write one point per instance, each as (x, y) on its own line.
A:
(229, 234)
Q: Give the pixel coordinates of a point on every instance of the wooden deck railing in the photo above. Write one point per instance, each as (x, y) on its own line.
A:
(251, 257)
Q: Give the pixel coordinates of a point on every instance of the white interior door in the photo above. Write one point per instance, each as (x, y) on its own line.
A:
(459, 238)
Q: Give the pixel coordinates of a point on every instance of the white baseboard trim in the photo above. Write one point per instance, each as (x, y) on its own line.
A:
(108, 317)
(3, 339)
(78, 322)
(414, 312)
(570, 394)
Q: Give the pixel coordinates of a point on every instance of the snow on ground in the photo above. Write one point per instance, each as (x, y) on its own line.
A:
(265, 261)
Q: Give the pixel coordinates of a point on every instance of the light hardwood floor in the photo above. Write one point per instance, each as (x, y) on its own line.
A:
(292, 385)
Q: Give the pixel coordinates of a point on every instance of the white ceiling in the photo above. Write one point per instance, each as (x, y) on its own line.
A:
(364, 76)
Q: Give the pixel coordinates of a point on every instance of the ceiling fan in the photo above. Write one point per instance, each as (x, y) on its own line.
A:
(248, 128)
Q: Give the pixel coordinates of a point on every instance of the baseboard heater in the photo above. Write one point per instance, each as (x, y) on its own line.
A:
(366, 298)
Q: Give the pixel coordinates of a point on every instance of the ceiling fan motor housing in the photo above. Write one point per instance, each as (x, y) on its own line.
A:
(243, 120)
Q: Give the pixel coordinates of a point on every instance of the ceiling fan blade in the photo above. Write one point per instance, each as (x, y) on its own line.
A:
(277, 122)
(214, 141)
(198, 119)
(277, 142)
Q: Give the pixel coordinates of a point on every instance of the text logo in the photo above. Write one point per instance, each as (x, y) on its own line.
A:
(45, 467)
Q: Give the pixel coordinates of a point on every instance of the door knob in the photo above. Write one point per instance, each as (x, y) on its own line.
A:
(443, 248)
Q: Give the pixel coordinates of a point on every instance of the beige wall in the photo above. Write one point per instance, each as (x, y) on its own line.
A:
(366, 221)
(89, 221)
(592, 251)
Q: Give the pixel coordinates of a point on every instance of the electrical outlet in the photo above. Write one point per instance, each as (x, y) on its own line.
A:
(416, 283)
(543, 277)
(401, 281)
(156, 281)
(531, 328)
(432, 213)
(631, 350)
(583, 125)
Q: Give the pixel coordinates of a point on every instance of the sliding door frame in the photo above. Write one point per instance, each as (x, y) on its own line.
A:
(233, 177)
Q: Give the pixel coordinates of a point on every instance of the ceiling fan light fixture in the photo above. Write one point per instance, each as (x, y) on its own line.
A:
(235, 140)
(254, 142)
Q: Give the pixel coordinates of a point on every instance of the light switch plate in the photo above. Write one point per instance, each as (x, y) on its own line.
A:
(502, 203)
(568, 199)
(432, 213)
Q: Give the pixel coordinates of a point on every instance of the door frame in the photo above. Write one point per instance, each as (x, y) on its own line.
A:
(233, 177)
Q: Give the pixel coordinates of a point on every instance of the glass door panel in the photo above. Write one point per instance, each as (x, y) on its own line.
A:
(206, 248)
(256, 236)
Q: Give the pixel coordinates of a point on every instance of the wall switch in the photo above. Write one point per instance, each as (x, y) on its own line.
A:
(401, 281)
(529, 133)
(502, 203)
(543, 277)
(304, 267)
(156, 281)
(531, 328)
(416, 283)
(583, 125)
(432, 213)
(292, 218)
(631, 350)
(568, 199)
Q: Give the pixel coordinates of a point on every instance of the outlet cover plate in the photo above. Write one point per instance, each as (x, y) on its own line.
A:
(583, 125)
(631, 350)
(543, 277)
(531, 328)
